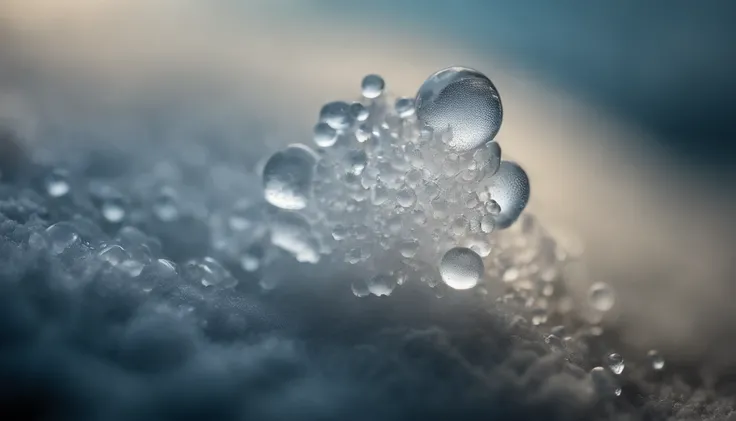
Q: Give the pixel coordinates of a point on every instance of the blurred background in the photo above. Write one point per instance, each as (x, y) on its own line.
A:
(621, 112)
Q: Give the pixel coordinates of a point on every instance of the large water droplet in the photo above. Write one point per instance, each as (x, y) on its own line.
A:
(287, 177)
(372, 86)
(461, 268)
(510, 189)
(463, 100)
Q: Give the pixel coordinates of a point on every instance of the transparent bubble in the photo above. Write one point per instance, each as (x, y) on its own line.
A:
(464, 101)
(61, 236)
(359, 111)
(57, 183)
(656, 359)
(381, 285)
(337, 114)
(615, 362)
(459, 226)
(372, 86)
(379, 194)
(404, 107)
(113, 210)
(292, 233)
(510, 189)
(324, 135)
(601, 296)
(461, 268)
(287, 177)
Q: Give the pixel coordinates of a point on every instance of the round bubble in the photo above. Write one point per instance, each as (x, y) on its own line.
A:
(510, 189)
(463, 100)
(372, 86)
(381, 285)
(601, 296)
(287, 177)
(461, 268)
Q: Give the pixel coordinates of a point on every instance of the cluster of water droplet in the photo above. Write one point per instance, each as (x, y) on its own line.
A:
(402, 187)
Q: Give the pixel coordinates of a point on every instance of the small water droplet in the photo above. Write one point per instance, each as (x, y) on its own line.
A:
(615, 362)
(461, 268)
(372, 86)
(601, 296)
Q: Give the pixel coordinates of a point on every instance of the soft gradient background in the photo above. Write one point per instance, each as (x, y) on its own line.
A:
(621, 112)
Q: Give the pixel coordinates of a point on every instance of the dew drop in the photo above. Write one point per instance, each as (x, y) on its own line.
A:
(359, 288)
(463, 100)
(461, 268)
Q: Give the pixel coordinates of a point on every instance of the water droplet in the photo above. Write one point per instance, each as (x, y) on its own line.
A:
(406, 197)
(57, 183)
(337, 114)
(287, 177)
(656, 359)
(324, 135)
(604, 384)
(409, 248)
(381, 285)
(459, 226)
(339, 232)
(487, 224)
(113, 210)
(61, 236)
(372, 86)
(601, 296)
(555, 343)
(492, 207)
(359, 111)
(359, 288)
(461, 268)
(510, 189)
(615, 362)
(356, 161)
(114, 255)
(463, 100)
(209, 272)
(404, 107)
(292, 233)
(165, 205)
(488, 158)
